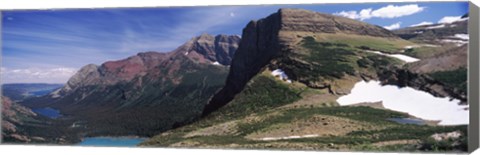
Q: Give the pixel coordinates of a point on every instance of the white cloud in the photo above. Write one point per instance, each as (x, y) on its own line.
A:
(422, 24)
(348, 14)
(37, 75)
(232, 14)
(449, 19)
(390, 11)
(393, 26)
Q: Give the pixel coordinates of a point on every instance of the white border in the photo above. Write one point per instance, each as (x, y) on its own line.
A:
(70, 150)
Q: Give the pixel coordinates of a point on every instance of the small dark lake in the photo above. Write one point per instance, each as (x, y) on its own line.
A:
(111, 141)
(408, 121)
(48, 112)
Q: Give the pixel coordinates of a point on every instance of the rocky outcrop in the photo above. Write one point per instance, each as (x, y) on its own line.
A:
(268, 38)
(13, 115)
(452, 59)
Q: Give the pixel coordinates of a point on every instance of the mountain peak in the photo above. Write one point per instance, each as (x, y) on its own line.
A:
(204, 36)
(217, 49)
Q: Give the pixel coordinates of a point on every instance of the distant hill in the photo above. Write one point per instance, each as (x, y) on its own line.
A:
(440, 33)
(21, 91)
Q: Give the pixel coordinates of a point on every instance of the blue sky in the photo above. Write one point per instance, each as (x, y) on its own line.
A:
(50, 45)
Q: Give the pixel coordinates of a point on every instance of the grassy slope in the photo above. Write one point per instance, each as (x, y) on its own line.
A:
(381, 44)
(269, 106)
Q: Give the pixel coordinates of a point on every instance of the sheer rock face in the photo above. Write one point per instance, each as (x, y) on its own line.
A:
(266, 38)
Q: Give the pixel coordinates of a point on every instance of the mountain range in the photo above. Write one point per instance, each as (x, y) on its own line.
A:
(146, 93)
(274, 87)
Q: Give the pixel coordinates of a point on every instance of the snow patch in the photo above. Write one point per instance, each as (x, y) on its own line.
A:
(405, 58)
(216, 63)
(463, 19)
(462, 36)
(457, 42)
(288, 137)
(186, 53)
(281, 74)
(429, 45)
(418, 32)
(436, 27)
(414, 102)
(419, 45)
(402, 57)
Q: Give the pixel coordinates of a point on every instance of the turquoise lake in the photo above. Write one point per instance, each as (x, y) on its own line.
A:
(111, 141)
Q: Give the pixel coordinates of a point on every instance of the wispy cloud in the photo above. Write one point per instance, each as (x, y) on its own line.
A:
(390, 11)
(36, 75)
(421, 24)
(393, 26)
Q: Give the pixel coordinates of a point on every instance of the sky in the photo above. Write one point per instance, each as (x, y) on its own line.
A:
(49, 46)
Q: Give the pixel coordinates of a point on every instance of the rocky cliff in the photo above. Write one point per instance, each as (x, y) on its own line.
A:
(278, 34)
